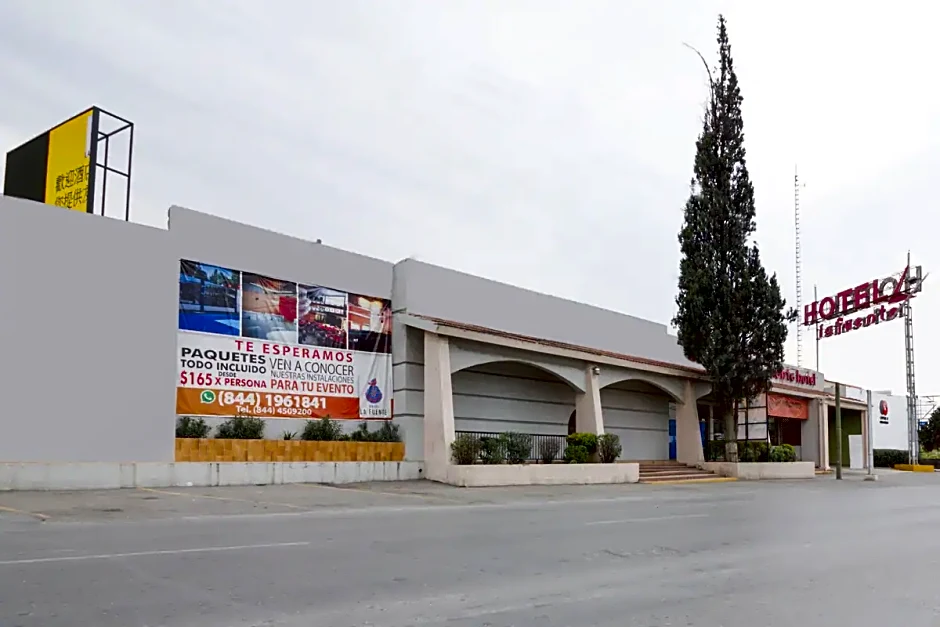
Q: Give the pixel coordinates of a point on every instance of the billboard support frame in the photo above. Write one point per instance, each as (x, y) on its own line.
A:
(124, 125)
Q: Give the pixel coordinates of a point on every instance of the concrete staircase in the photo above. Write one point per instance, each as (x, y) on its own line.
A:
(674, 472)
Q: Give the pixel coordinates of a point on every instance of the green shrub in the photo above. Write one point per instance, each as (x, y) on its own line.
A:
(576, 454)
(323, 430)
(388, 432)
(548, 449)
(929, 454)
(289, 435)
(889, 457)
(492, 450)
(518, 447)
(362, 433)
(608, 446)
(715, 451)
(241, 428)
(586, 440)
(783, 453)
(751, 451)
(465, 449)
(187, 427)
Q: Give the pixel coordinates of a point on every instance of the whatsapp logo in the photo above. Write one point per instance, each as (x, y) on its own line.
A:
(207, 397)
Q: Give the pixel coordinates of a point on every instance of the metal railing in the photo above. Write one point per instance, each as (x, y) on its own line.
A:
(534, 450)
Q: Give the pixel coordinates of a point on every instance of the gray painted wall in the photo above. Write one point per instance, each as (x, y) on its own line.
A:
(639, 414)
(87, 318)
(511, 397)
(202, 237)
(424, 289)
(408, 383)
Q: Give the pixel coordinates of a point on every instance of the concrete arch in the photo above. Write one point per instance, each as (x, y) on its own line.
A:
(467, 356)
(547, 369)
(669, 386)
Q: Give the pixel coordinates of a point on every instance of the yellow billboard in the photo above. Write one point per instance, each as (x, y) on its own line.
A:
(68, 163)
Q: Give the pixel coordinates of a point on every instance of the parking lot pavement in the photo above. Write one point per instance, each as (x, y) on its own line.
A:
(815, 552)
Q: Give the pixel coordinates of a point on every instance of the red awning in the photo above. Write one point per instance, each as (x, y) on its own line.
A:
(782, 406)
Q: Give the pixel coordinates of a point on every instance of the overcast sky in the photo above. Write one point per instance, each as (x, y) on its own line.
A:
(544, 143)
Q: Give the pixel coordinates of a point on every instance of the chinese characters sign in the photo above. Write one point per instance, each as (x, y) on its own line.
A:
(68, 163)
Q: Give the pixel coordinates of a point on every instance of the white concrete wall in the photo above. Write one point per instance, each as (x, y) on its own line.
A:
(542, 474)
(762, 470)
(890, 431)
(639, 414)
(103, 476)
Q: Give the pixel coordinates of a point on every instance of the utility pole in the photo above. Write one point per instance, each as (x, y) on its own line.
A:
(816, 327)
(913, 423)
(871, 441)
(838, 431)
(799, 266)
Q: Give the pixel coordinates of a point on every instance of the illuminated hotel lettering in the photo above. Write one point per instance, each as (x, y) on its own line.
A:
(887, 295)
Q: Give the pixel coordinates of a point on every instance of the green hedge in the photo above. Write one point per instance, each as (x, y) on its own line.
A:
(748, 451)
(888, 457)
(586, 440)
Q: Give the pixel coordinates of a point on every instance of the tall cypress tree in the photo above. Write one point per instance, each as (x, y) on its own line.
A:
(730, 316)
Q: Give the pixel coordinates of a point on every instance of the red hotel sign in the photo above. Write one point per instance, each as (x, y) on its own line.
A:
(885, 295)
(792, 376)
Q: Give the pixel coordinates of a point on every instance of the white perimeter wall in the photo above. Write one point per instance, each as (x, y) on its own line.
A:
(894, 434)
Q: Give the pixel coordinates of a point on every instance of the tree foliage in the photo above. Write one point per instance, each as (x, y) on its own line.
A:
(929, 433)
(730, 316)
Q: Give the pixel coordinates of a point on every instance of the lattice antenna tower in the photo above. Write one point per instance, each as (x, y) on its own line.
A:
(799, 265)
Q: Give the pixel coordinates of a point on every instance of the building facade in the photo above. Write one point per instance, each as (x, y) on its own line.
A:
(467, 354)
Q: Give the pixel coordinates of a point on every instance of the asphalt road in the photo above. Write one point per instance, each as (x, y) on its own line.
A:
(718, 555)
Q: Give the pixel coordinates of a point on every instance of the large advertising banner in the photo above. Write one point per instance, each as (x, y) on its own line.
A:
(250, 345)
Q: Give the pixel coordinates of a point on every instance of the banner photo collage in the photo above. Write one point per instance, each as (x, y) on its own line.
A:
(251, 345)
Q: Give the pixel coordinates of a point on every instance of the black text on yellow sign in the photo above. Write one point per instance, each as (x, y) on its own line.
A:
(68, 163)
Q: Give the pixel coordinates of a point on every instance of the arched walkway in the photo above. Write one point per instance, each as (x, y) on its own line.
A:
(638, 412)
(511, 396)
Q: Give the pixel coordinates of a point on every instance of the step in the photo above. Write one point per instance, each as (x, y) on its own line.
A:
(671, 471)
(680, 476)
(689, 479)
(677, 471)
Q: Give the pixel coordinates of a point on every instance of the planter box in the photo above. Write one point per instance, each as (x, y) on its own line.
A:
(762, 470)
(217, 450)
(541, 474)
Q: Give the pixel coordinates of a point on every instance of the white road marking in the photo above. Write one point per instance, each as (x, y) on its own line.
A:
(649, 519)
(106, 556)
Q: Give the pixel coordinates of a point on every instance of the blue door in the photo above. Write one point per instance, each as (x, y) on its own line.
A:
(672, 438)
